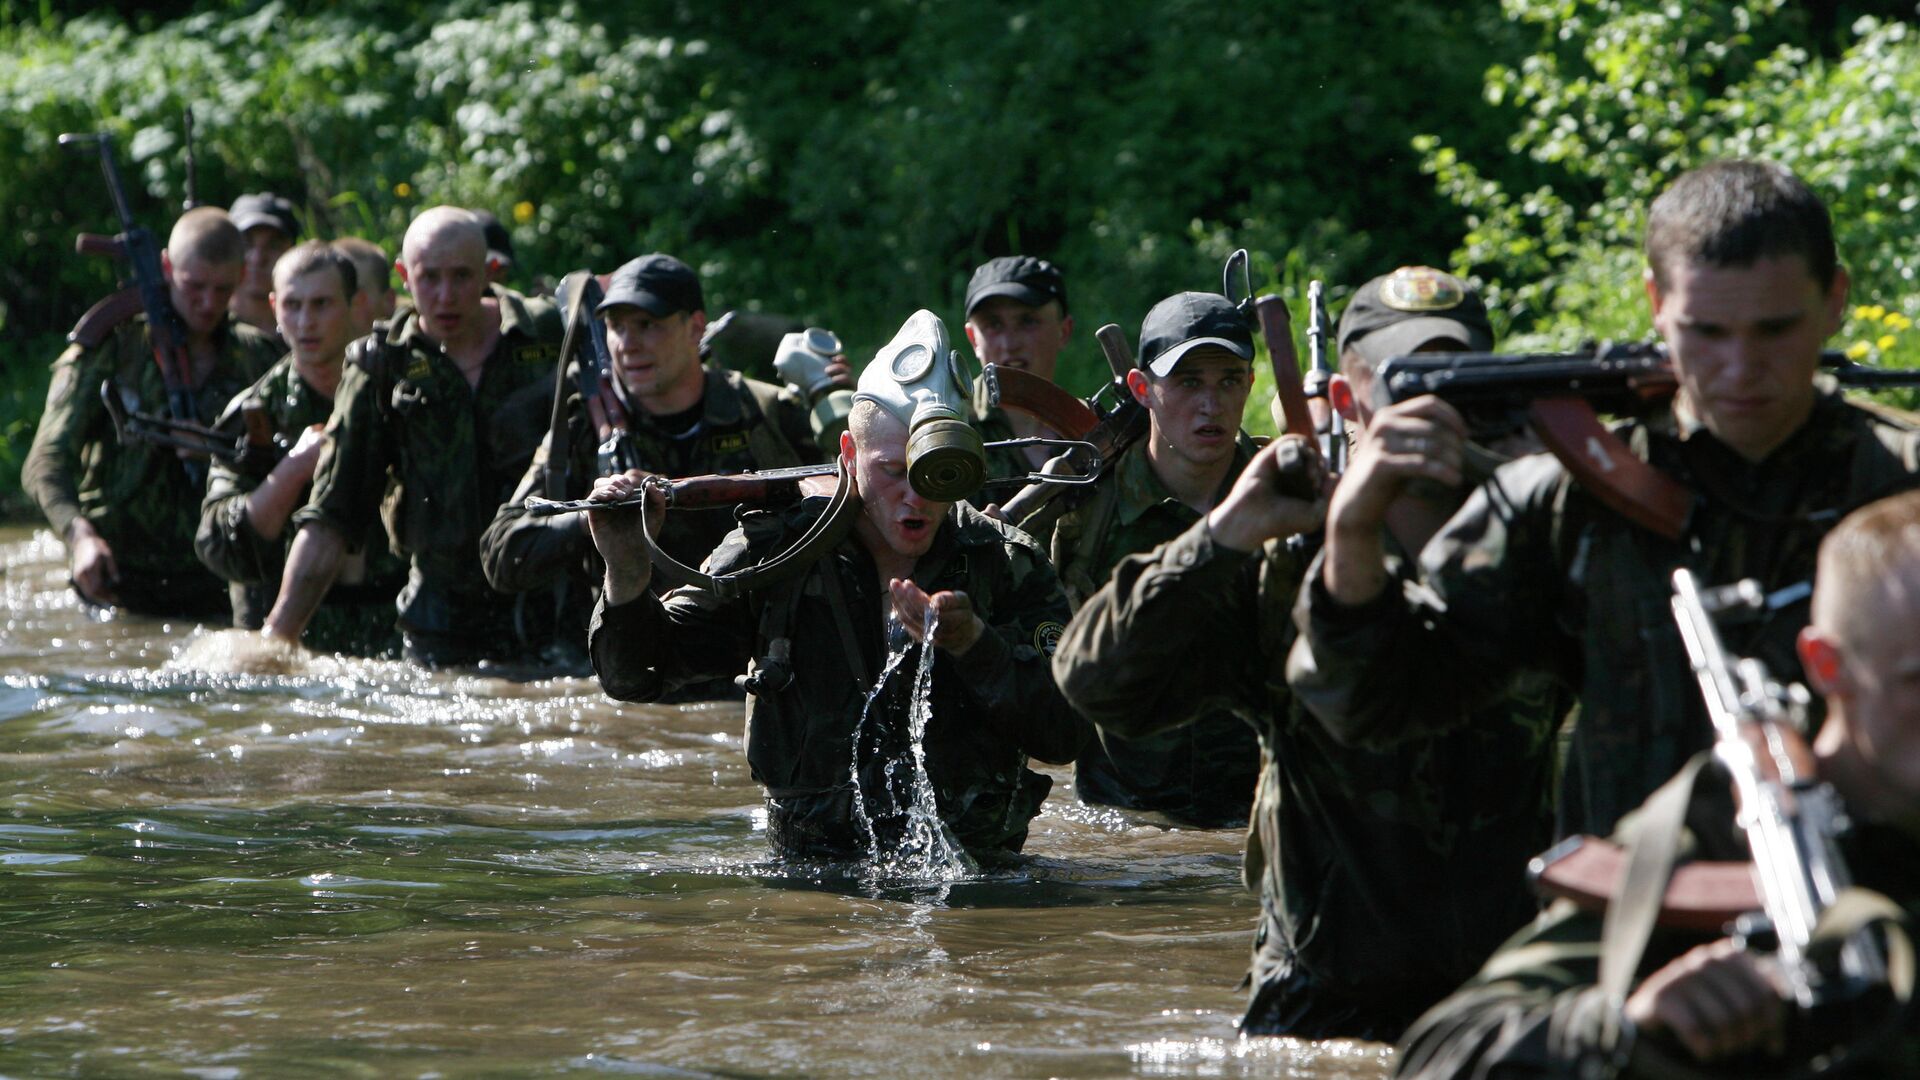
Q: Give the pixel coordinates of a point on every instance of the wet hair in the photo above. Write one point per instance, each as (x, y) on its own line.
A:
(1734, 213)
(863, 417)
(1877, 547)
(375, 270)
(206, 233)
(314, 256)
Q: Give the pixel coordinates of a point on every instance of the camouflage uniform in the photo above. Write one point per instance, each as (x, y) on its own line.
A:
(1204, 772)
(1535, 575)
(1384, 878)
(357, 617)
(744, 424)
(1536, 1010)
(991, 708)
(405, 413)
(137, 496)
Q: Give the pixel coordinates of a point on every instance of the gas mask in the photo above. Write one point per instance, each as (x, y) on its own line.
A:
(802, 361)
(916, 379)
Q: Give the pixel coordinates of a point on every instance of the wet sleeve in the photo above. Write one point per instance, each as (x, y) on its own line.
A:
(1172, 635)
(226, 540)
(51, 472)
(1423, 655)
(1008, 673)
(650, 645)
(1533, 1011)
(351, 478)
(520, 552)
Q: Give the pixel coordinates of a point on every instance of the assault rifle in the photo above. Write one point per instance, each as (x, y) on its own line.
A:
(165, 330)
(764, 486)
(254, 452)
(579, 294)
(1558, 396)
(1107, 434)
(1791, 821)
(1328, 424)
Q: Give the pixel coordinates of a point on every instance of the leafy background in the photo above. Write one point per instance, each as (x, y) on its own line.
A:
(849, 163)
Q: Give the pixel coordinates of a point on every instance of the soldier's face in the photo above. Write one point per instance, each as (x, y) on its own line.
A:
(654, 355)
(1196, 408)
(1873, 687)
(265, 245)
(893, 514)
(201, 291)
(315, 315)
(448, 278)
(1745, 342)
(1006, 332)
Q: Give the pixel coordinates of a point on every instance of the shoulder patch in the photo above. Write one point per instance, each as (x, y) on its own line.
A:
(1046, 636)
(418, 368)
(729, 442)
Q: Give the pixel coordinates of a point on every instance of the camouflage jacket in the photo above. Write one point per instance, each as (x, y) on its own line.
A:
(230, 546)
(1204, 772)
(137, 496)
(405, 414)
(991, 709)
(1535, 1009)
(744, 424)
(1384, 877)
(1534, 575)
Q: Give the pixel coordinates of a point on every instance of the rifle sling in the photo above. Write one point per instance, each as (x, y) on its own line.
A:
(1605, 466)
(825, 534)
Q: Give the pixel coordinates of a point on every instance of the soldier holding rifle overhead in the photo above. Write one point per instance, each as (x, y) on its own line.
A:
(1535, 574)
(127, 510)
(1385, 877)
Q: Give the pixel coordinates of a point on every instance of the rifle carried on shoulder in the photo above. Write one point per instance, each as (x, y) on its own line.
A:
(1328, 424)
(579, 295)
(1559, 396)
(1107, 436)
(165, 329)
(254, 452)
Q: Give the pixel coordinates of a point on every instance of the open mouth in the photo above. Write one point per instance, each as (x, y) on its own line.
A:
(1210, 432)
(914, 527)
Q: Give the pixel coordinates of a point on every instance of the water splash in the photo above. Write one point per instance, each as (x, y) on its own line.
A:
(925, 850)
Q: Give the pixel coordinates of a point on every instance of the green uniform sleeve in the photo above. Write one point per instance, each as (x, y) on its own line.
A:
(1423, 655)
(73, 416)
(226, 540)
(1172, 634)
(649, 645)
(520, 552)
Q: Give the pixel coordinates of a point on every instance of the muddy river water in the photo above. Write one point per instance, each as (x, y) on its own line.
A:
(360, 869)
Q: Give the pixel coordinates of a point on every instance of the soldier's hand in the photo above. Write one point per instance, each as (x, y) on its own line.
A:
(95, 574)
(959, 626)
(1282, 492)
(839, 372)
(305, 455)
(1421, 438)
(617, 534)
(1715, 1000)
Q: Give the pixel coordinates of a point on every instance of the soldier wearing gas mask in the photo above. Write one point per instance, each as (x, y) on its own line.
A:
(675, 418)
(814, 645)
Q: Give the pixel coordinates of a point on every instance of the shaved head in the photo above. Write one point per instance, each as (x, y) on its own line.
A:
(452, 229)
(1869, 567)
(206, 234)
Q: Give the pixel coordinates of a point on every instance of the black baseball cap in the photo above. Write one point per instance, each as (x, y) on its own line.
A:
(1184, 322)
(661, 284)
(1031, 281)
(264, 208)
(1396, 313)
(499, 240)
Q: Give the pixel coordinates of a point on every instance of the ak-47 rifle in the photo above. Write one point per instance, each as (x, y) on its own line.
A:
(165, 330)
(579, 295)
(254, 452)
(193, 169)
(1558, 396)
(1108, 435)
(1328, 424)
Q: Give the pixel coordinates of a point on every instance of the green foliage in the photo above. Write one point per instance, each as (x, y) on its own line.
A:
(1623, 95)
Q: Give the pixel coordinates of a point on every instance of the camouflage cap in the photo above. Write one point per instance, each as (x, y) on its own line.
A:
(1396, 313)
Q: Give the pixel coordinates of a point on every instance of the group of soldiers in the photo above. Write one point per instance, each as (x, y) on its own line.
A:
(1408, 678)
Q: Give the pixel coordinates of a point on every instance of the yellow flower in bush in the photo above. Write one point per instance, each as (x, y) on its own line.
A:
(403, 189)
(1896, 321)
(523, 212)
(1874, 312)
(1858, 350)
(1885, 342)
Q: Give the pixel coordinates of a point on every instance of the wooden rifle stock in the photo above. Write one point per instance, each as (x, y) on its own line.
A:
(1276, 326)
(1701, 896)
(1110, 436)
